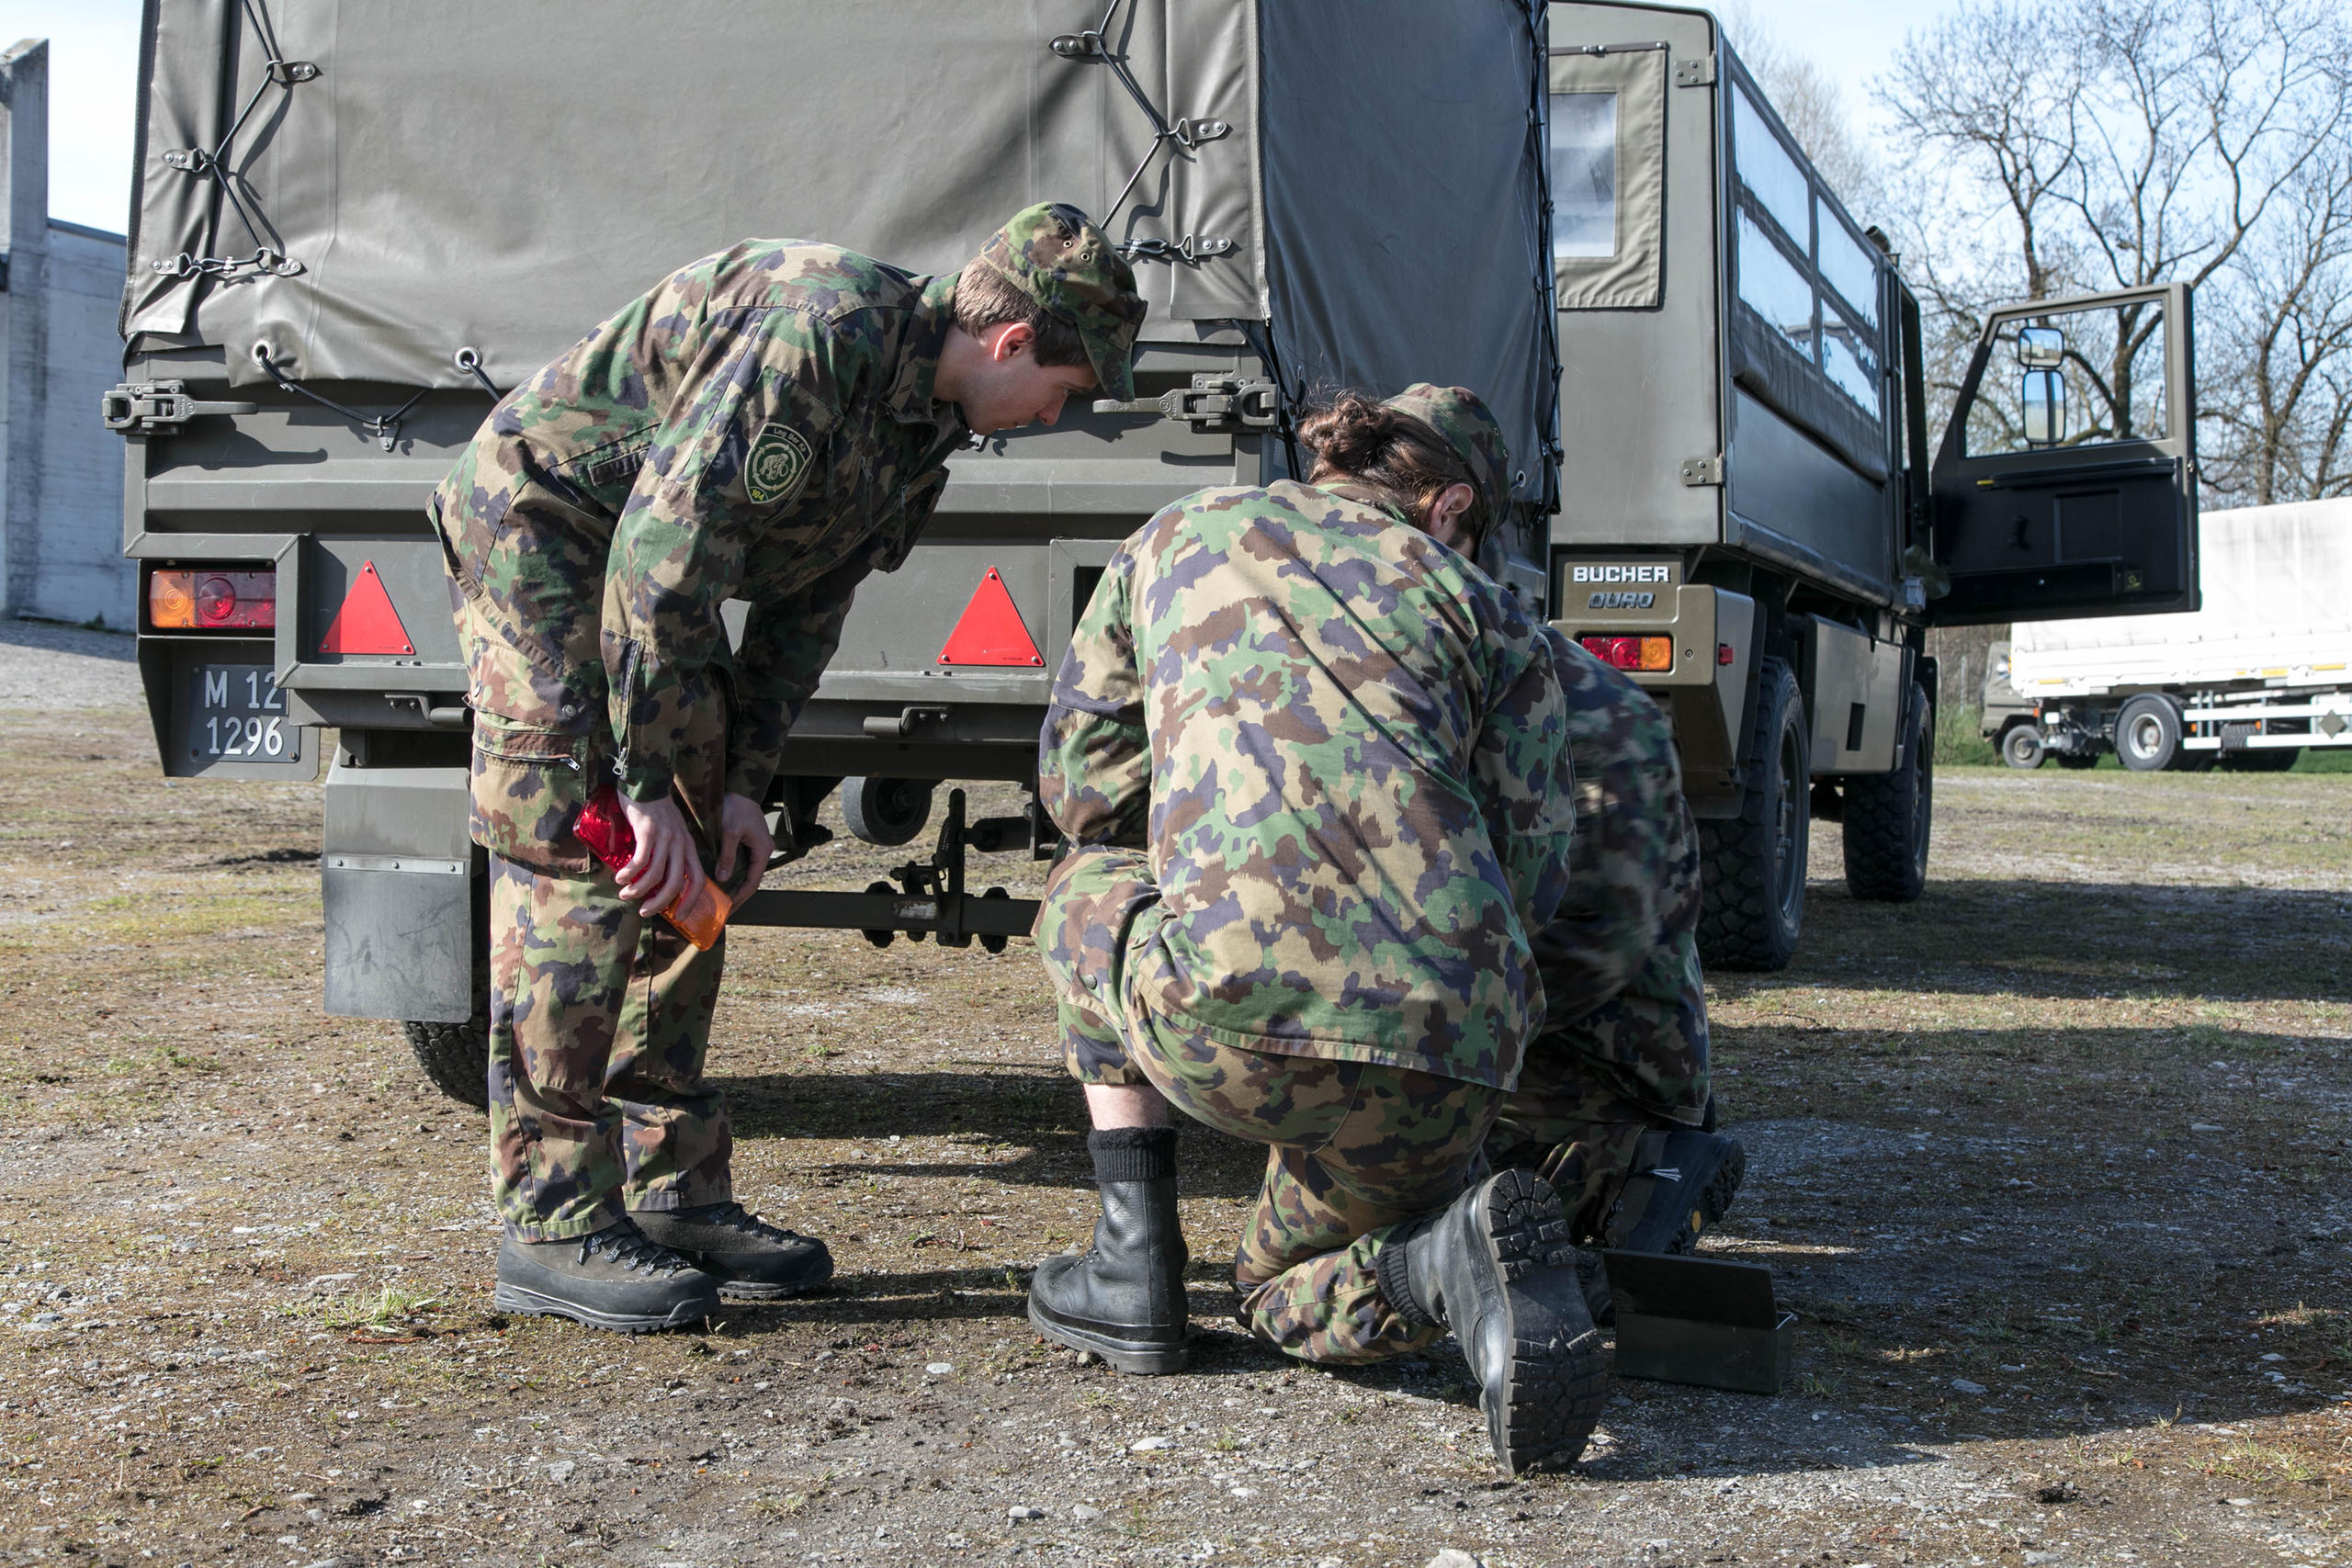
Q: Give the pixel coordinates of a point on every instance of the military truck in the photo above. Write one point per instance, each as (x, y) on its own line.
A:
(1756, 526)
(357, 226)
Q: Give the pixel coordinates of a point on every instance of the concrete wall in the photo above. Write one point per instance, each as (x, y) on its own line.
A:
(60, 471)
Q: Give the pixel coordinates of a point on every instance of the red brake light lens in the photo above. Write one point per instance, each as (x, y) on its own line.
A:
(1645, 653)
(212, 599)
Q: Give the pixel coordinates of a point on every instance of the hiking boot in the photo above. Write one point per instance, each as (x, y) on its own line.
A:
(1682, 1183)
(615, 1280)
(1495, 1267)
(1125, 1299)
(749, 1260)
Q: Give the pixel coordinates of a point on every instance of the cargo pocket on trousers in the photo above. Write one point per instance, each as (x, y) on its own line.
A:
(528, 786)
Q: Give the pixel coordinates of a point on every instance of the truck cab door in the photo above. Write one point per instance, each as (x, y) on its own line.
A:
(2065, 484)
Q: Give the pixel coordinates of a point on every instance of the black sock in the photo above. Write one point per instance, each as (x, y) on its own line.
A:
(1132, 1154)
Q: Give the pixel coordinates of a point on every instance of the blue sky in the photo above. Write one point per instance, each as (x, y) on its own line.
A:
(94, 62)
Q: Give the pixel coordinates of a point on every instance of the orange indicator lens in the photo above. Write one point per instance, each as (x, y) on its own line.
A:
(1632, 653)
(211, 599)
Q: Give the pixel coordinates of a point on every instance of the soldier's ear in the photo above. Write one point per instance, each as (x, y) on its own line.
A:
(1008, 340)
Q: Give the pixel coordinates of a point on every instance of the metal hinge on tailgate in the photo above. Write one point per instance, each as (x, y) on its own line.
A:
(157, 408)
(1211, 402)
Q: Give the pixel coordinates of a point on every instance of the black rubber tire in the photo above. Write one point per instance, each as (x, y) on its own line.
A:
(1753, 865)
(2147, 734)
(885, 811)
(2269, 760)
(1890, 816)
(456, 1056)
(2077, 762)
(2021, 747)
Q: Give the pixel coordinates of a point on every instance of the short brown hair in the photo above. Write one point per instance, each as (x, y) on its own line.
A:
(985, 298)
(1356, 437)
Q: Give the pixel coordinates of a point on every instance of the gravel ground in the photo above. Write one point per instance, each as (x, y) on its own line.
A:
(44, 665)
(2051, 1164)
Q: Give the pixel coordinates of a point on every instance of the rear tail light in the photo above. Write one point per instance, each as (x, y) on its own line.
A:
(1632, 653)
(207, 598)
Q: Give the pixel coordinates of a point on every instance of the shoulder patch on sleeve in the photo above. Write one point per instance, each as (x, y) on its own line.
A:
(777, 465)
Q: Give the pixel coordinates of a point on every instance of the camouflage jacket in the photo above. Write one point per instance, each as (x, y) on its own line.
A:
(1629, 923)
(762, 427)
(1344, 749)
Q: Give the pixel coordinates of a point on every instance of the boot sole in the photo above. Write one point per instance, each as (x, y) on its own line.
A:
(1134, 1357)
(1551, 1398)
(760, 1291)
(522, 1299)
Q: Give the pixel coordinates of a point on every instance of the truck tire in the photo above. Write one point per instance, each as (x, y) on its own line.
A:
(1889, 817)
(2077, 761)
(2147, 734)
(456, 1056)
(2269, 760)
(1752, 904)
(2021, 747)
(885, 811)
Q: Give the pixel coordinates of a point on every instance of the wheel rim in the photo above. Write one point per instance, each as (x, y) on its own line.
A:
(2147, 735)
(1787, 820)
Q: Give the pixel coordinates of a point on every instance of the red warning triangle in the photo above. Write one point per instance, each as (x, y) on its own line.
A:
(990, 630)
(367, 623)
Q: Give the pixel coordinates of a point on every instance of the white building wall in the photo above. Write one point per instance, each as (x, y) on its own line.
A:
(78, 570)
(61, 470)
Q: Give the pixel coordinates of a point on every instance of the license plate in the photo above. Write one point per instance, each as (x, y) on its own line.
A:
(235, 714)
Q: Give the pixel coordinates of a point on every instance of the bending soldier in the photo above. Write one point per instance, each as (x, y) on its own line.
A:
(1313, 766)
(1614, 1097)
(770, 424)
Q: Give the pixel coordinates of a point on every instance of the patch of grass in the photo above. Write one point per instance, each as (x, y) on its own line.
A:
(392, 1308)
(1958, 744)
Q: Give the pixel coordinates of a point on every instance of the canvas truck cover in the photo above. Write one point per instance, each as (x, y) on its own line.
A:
(364, 189)
(2276, 580)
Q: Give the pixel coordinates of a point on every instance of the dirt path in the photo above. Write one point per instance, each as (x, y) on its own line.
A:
(2051, 1162)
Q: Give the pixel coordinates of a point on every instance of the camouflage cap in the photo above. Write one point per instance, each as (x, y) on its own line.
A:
(1466, 423)
(1053, 254)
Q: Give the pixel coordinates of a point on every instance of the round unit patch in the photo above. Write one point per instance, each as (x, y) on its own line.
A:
(779, 461)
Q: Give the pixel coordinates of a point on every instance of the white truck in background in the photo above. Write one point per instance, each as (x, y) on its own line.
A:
(2260, 673)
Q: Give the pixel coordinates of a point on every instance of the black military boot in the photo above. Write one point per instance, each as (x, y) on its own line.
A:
(749, 1260)
(1495, 1267)
(1682, 1183)
(1125, 1299)
(615, 1278)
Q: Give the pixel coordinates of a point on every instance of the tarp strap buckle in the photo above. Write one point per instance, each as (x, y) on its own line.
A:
(384, 427)
(1191, 249)
(266, 261)
(1186, 133)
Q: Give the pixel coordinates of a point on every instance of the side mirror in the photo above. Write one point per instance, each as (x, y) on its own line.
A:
(2042, 348)
(2043, 397)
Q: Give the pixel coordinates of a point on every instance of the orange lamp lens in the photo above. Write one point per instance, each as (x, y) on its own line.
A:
(1657, 653)
(171, 600)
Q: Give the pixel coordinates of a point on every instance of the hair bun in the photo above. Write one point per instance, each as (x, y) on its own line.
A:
(1350, 435)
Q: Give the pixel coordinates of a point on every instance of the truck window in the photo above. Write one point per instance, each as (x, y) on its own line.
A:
(1583, 175)
(1772, 286)
(1846, 267)
(2072, 378)
(1769, 175)
(1851, 356)
(1606, 152)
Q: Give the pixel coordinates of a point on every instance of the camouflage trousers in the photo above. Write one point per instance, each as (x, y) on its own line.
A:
(599, 1020)
(1353, 1149)
(1589, 1092)
(599, 1017)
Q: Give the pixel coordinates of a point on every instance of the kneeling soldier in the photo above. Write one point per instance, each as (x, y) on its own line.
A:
(1314, 764)
(1613, 1099)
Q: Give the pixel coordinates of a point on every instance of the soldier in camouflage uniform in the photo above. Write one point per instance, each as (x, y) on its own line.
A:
(769, 423)
(1614, 1093)
(1313, 765)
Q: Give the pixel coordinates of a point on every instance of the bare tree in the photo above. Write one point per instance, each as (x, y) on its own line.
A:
(2063, 149)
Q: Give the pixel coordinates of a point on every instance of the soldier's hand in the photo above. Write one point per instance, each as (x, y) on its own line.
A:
(662, 870)
(742, 824)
